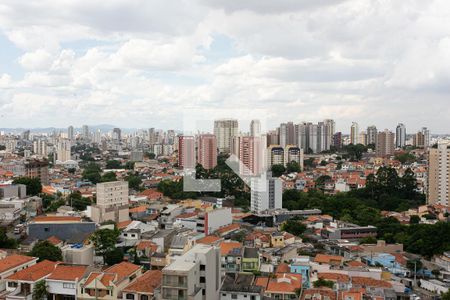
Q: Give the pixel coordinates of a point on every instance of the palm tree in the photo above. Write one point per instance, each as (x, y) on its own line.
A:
(40, 290)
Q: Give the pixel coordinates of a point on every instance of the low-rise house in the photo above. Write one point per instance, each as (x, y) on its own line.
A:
(302, 265)
(240, 286)
(145, 287)
(281, 286)
(63, 281)
(109, 283)
(231, 256)
(250, 260)
(281, 239)
(319, 294)
(341, 281)
(12, 264)
(20, 285)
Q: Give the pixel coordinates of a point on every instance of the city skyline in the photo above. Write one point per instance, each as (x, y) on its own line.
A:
(68, 63)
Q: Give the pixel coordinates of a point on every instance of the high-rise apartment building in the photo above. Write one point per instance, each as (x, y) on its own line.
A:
(385, 143)
(266, 194)
(70, 133)
(300, 131)
(40, 147)
(207, 151)
(354, 133)
(330, 129)
(439, 175)
(224, 130)
(294, 153)
(283, 134)
(117, 134)
(311, 138)
(112, 202)
(85, 132)
(193, 275)
(400, 135)
(321, 137)
(63, 150)
(255, 128)
(426, 137)
(186, 152)
(372, 135)
(275, 156)
(337, 140)
(250, 152)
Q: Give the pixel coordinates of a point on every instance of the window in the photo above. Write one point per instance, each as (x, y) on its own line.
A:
(144, 297)
(69, 285)
(130, 296)
(233, 296)
(12, 284)
(202, 267)
(202, 279)
(46, 229)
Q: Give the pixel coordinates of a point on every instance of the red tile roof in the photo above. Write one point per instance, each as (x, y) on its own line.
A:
(123, 224)
(68, 272)
(54, 240)
(35, 272)
(284, 283)
(337, 277)
(144, 244)
(209, 239)
(146, 284)
(14, 261)
(322, 258)
(40, 219)
(123, 269)
(226, 247)
(365, 281)
(283, 268)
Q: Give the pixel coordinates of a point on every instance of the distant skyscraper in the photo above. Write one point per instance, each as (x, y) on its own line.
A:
(400, 135)
(354, 133)
(311, 136)
(272, 138)
(385, 143)
(337, 140)
(85, 132)
(300, 131)
(321, 137)
(117, 134)
(439, 175)
(40, 147)
(250, 151)
(224, 130)
(63, 150)
(98, 136)
(207, 151)
(152, 136)
(372, 134)
(70, 133)
(255, 128)
(186, 152)
(426, 137)
(330, 128)
(283, 134)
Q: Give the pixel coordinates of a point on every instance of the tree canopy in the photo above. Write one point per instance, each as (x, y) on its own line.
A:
(45, 250)
(34, 186)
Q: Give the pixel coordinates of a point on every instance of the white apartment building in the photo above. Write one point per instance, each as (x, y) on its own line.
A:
(266, 194)
(194, 275)
(439, 175)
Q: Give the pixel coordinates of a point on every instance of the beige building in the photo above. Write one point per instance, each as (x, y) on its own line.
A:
(439, 175)
(385, 143)
(224, 130)
(112, 202)
(194, 275)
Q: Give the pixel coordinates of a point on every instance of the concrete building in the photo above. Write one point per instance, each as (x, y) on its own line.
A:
(372, 135)
(354, 133)
(40, 147)
(250, 152)
(70, 133)
(194, 275)
(13, 191)
(209, 222)
(12, 264)
(35, 168)
(294, 153)
(65, 228)
(400, 135)
(112, 202)
(255, 128)
(186, 152)
(266, 194)
(426, 137)
(207, 151)
(275, 156)
(385, 143)
(439, 175)
(225, 130)
(63, 150)
(78, 254)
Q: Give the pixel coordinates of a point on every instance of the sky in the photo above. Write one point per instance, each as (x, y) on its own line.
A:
(145, 63)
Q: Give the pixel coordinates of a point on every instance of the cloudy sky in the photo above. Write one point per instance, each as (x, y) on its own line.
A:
(140, 63)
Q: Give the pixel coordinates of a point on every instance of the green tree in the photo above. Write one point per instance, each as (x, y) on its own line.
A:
(92, 173)
(113, 256)
(40, 290)
(134, 181)
(5, 241)
(78, 202)
(129, 165)
(113, 164)
(323, 283)
(446, 295)
(414, 219)
(294, 227)
(108, 177)
(278, 170)
(104, 240)
(320, 182)
(414, 265)
(292, 166)
(368, 240)
(45, 250)
(34, 186)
